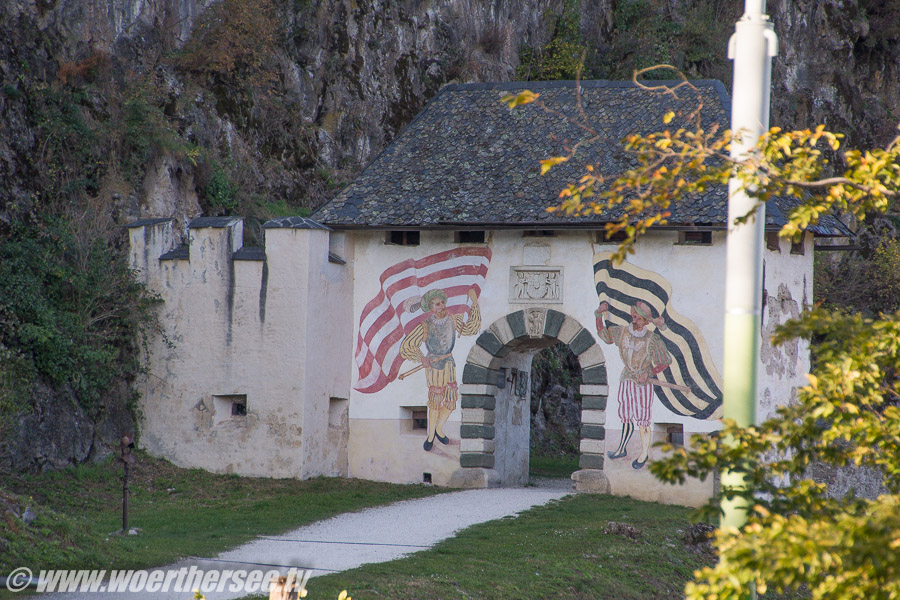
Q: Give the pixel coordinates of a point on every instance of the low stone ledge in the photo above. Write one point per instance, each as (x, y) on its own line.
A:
(592, 481)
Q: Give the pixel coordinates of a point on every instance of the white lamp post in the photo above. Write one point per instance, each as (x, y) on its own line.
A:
(751, 47)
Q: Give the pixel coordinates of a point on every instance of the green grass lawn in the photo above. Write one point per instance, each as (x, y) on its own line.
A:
(555, 551)
(552, 465)
(181, 512)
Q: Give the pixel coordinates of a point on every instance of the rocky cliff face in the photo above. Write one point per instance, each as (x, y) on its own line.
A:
(342, 78)
(838, 64)
(347, 75)
(146, 108)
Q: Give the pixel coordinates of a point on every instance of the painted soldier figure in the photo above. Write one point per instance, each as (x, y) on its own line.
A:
(644, 354)
(438, 332)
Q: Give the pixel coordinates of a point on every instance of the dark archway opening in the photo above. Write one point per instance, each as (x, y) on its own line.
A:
(555, 412)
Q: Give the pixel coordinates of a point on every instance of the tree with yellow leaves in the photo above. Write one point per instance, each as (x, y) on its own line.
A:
(797, 535)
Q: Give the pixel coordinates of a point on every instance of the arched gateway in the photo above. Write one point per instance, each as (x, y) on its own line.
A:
(493, 395)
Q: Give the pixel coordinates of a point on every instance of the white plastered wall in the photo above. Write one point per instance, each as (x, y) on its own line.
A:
(283, 333)
(381, 448)
(245, 330)
(787, 290)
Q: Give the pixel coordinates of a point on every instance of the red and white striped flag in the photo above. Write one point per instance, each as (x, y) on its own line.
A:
(384, 321)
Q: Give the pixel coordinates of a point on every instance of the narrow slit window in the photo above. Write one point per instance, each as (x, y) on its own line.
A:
(772, 241)
(695, 238)
(469, 237)
(403, 238)
(616, 238)
(798, 248)
(538, 233)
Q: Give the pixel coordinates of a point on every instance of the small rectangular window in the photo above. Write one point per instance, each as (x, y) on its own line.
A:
(772, 241)
(798, 247)
(616, 238)
(402, 238)
(538, 233)
(231, 407)
(338, 413)
(695, 238)
(469, 237)
(413, 419)
(675, 434)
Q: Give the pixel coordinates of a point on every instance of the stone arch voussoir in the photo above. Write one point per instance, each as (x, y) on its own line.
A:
(480, 376)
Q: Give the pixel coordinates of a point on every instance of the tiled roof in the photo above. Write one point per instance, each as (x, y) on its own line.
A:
(468, 160)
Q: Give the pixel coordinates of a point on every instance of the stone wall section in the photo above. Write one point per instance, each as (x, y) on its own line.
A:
(246, 376)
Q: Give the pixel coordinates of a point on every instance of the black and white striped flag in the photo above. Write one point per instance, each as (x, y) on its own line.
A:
(622, 287)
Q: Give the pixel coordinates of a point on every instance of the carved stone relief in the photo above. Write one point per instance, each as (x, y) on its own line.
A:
(536, 285)
(534, 321)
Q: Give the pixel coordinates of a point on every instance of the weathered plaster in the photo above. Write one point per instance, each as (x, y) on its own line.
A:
(282, 331)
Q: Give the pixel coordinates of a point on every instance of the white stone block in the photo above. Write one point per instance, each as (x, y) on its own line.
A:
(591, 357)
(477, 416)
(478, 389)
(569, 329)
(477, 445)
(593, 417)
(479, 356)
(593, 446)
(502, 330)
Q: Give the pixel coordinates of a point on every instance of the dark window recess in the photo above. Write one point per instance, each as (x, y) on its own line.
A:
(420, 419)
(772, 241)
(470, 237)
(426, 477)
(695, 238)
(675, 435)
(239, 409)
(538, 233)
(403, 238)
(798, 247)
(616, 238)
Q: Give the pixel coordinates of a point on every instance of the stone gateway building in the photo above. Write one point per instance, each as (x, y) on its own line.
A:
(390, 335)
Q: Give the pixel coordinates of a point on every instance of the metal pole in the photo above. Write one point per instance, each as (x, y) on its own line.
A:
(751, 47)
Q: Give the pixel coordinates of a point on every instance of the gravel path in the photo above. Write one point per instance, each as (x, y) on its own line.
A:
(352, 539)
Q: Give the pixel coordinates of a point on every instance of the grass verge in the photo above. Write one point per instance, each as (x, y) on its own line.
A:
(180, 512)
(555, 551)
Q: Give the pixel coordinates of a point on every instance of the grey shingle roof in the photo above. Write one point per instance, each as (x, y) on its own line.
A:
(467, 160)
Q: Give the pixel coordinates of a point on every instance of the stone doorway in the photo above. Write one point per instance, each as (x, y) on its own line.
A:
(495, 404)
